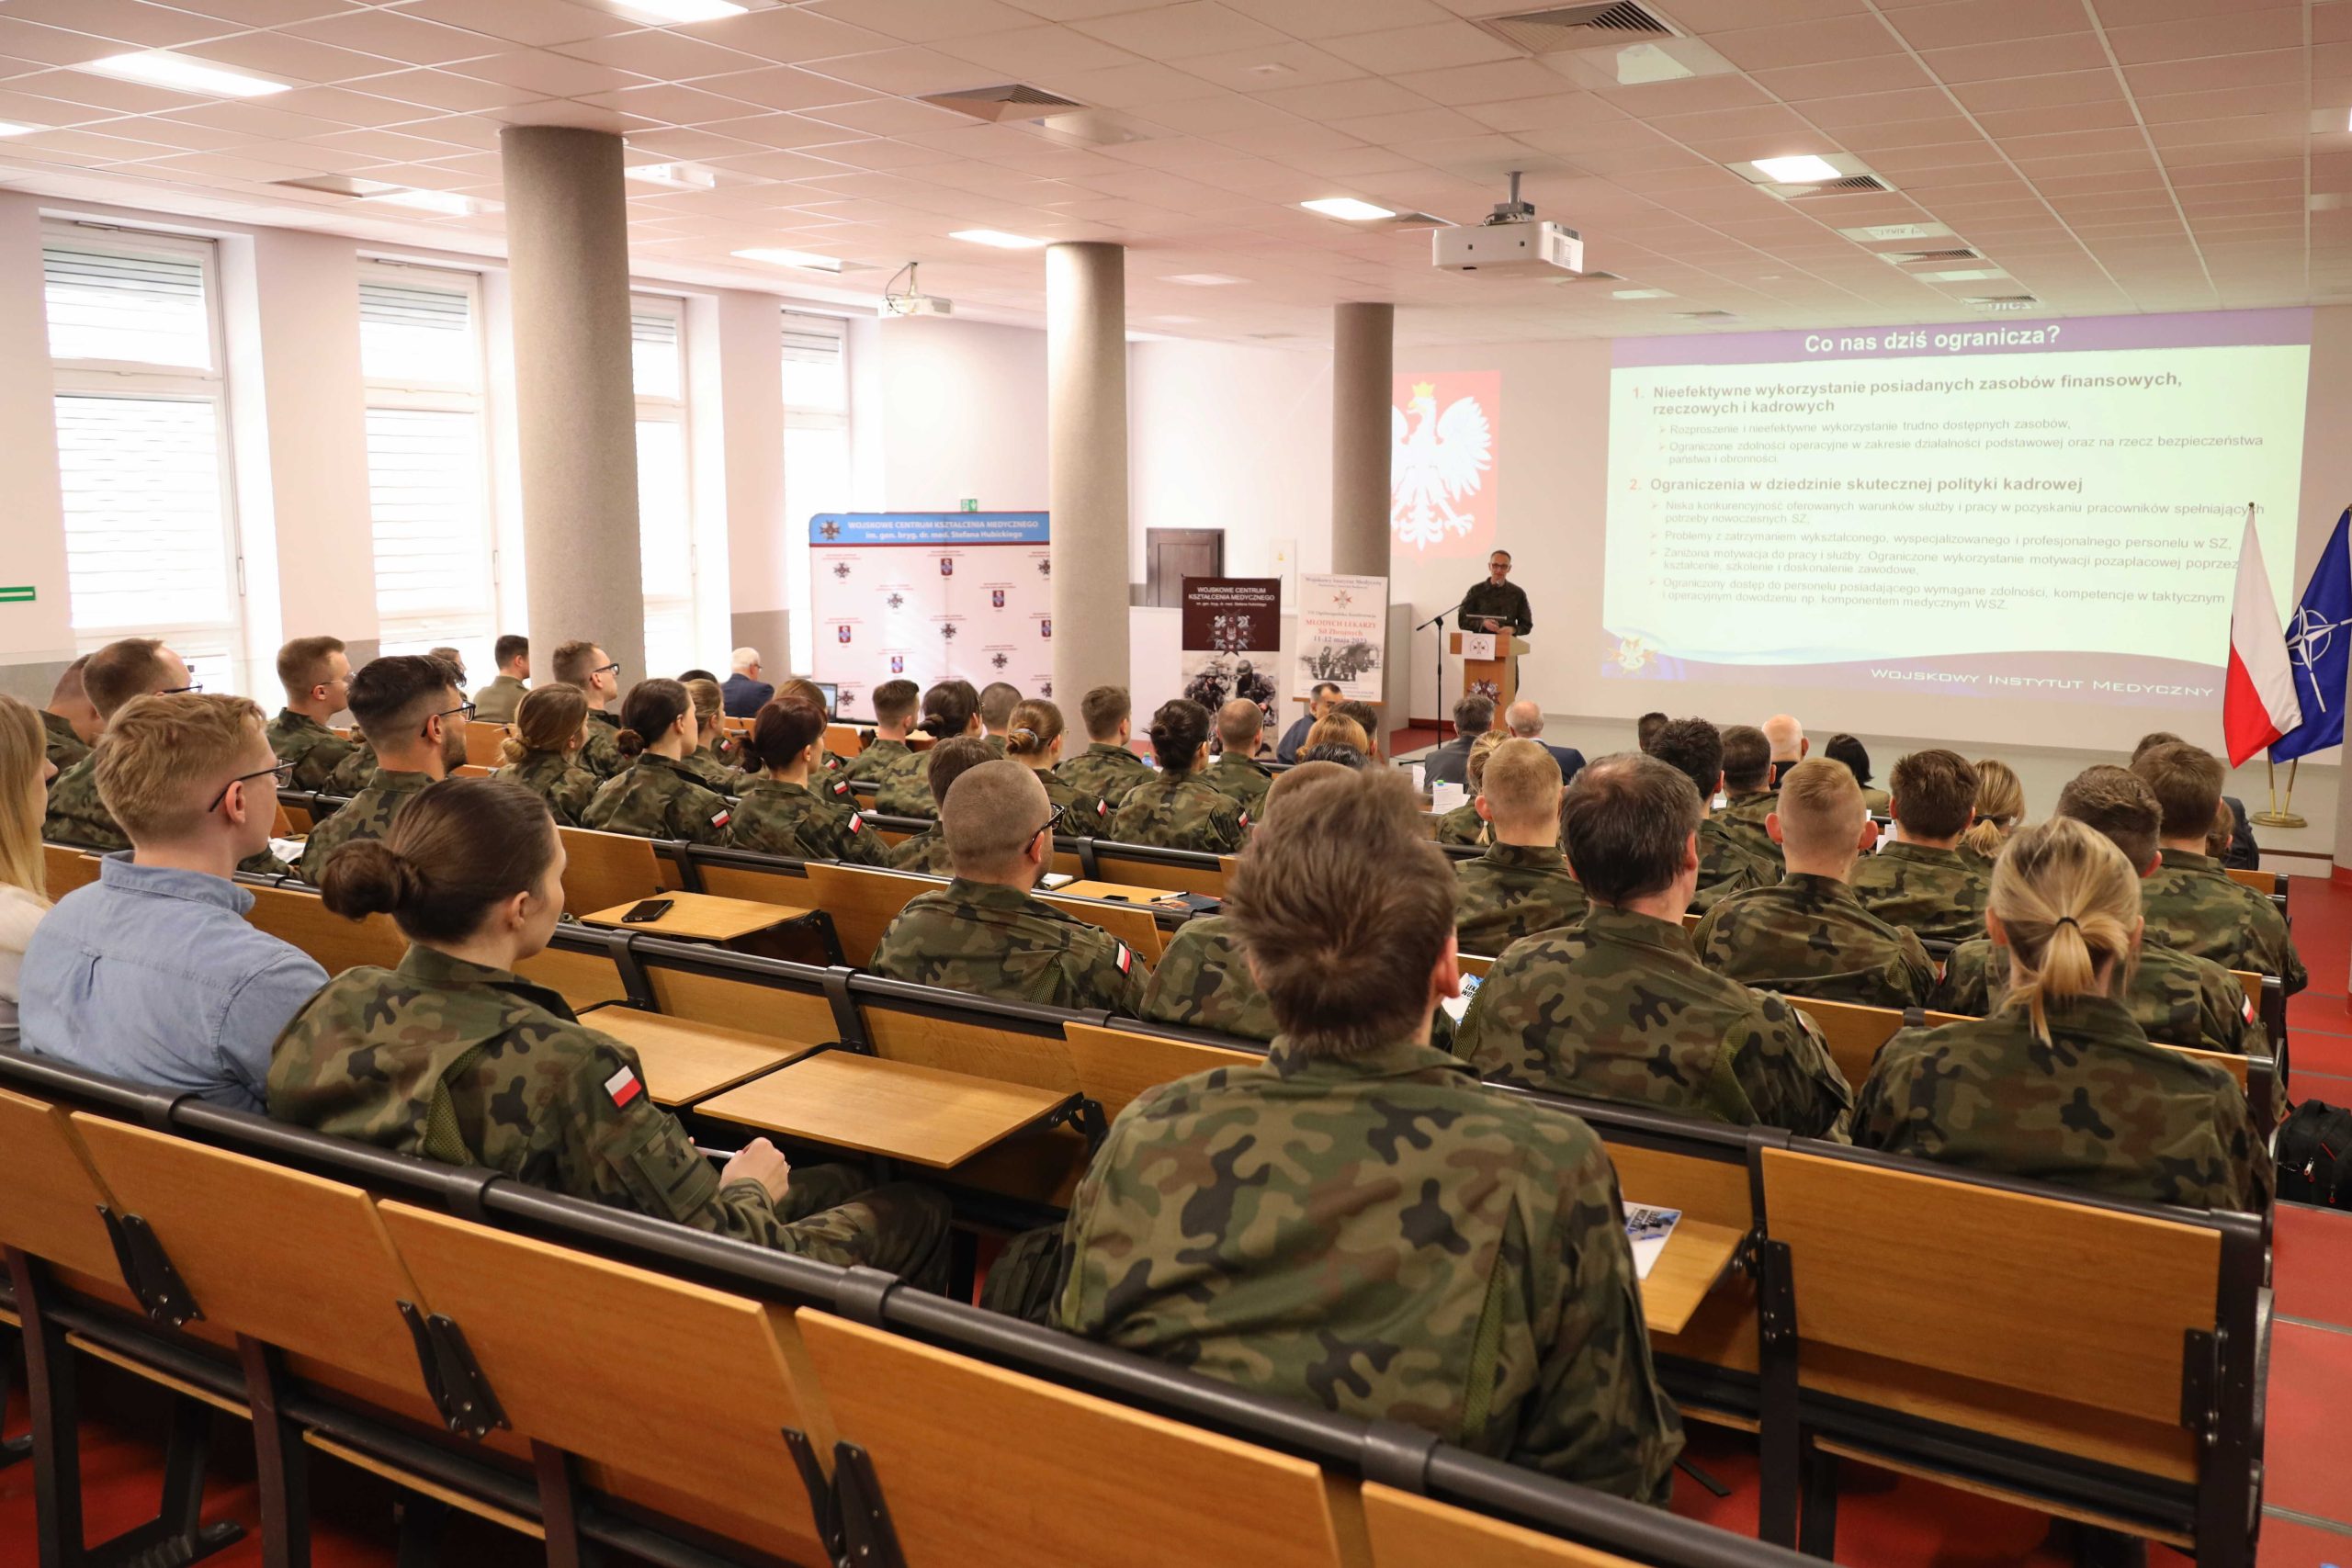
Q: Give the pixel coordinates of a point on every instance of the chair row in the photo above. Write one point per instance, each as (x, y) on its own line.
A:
(599, 1380)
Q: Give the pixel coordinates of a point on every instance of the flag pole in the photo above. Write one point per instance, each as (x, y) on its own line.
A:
(2289, 817)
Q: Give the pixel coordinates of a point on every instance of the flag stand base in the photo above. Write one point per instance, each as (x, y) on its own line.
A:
(2279, 820)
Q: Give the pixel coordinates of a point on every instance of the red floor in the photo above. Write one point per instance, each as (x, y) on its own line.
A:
(1883, 1519)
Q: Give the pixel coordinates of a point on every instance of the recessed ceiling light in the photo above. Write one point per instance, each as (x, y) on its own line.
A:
(17, 128)
(998, 238)
(678, 10)
(1803, 169)
(1640, 294)
(805, 260)
(1349, 208)
(1203, 279)
(677, 176)
(448, 203)
(183, 72)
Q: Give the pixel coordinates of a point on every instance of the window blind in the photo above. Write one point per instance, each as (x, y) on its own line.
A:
(665, 541)
(424, 497)
(815, 366)
(654, 355)
(145, 308)
(146, 539)
(414, 334)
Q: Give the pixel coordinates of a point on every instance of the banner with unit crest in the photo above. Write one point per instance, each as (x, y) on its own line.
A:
(931, 596)
(1343, 633)
(1233, 637)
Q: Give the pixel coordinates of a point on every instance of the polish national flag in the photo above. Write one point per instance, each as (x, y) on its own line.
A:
(2258, 702)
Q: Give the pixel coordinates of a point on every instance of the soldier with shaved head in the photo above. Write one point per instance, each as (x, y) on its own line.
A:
(1236, 773)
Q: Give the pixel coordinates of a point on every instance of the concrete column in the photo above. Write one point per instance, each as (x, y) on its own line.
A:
(1362, 376)
(1086, 423)
(567, 239)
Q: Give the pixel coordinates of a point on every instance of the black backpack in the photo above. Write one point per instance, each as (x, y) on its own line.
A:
(2315, 1156)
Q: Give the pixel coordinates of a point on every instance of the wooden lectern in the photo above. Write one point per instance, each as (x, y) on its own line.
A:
(1496, 677)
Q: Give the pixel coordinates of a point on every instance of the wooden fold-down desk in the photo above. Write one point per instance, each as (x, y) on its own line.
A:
(1693, 1259)
(699, 916)
(686, 1061)
(923, 1115)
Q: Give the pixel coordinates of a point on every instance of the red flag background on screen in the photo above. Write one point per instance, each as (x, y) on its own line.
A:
(2258, 702)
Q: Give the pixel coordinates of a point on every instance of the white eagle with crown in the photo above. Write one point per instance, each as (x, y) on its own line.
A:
(1438, 459)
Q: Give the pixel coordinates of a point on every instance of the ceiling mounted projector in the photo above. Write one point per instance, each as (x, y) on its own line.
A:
(1511, 243)
(909, 301)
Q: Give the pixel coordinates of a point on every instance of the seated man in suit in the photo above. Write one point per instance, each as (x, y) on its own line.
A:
(743, 694)
(1524, 719)
(1320, 700)
(1450, 763)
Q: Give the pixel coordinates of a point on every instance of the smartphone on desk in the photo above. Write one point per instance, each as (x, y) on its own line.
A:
(650, 909)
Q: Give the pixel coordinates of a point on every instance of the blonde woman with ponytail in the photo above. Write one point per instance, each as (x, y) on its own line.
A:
(542, 750)
(2000, 811)
(2060, 1084)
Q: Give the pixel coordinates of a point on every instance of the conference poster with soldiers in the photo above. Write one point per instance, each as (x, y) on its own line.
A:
(1232, 633)
(931, 596)
(1342, 628)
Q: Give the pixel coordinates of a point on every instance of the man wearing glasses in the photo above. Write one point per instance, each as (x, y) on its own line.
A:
(411, 706)
(983, 932)
(152, 972)
(583, 664)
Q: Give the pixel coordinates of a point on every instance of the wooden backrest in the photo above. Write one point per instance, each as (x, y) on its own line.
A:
(803, 1017)
(291, 1260)
(2249, 981)
(1114, 1065)
(1132, 923)
(1908, 1280)
(1112, 866)
(297, 819)
(967, 1044)
(1476, 964)
(303, 920)
(65, 868)
(2266, 883)
(1406, 1531)
(49, 1191)
(605, 869)
(967, 1453)
(676, 1395)
(1722, 1332)
(281, 826)
(1855, 1033)
(582, 980)
(844, 740)
(482, 742)
(863, 902)
(778, 884)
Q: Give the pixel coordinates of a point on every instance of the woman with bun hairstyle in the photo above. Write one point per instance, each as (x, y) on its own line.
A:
(1033, 740)
(542, 750)
(454, 1056)
(653, 797)
(800, 689)
(780, 811)
(949, 709)
(1173, 810)
(2060, 1084)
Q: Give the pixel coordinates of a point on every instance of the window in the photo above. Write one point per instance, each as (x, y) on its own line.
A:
(816, 453)
(141, 406)
(427, 480)
(665, 490)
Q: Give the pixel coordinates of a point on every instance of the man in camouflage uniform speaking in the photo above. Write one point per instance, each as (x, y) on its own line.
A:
(1920, 880)
(1620, 1008)
(1520, 886)
(1809, 936)
(1357, 1224)
(983, 932)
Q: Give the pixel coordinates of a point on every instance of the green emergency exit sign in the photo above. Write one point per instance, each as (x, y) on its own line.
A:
(23, 595)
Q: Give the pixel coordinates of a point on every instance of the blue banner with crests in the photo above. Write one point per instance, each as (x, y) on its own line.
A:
(928, 528)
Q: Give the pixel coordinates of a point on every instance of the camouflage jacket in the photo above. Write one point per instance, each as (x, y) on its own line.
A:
(76, 816)
(601, 754)
(653, 797)
(1811, 937)
(2097, 1108)
(925, 852)
(1082, 815)
(2192, 907)
(1175, 813)
(368, 815)
(63, 746)
(2174, 997)
(1742, 823)
(711, 770)
(1242, 779)
(555, 778)
(315, 751)
(496, 703)
(352, 774)
(1620, 1008)
(1385, 1239)
(451, 1061)
(999, 942)
(1463, 825)
(878, 758)
(1204, 982)
(1511, 891)
(1725, 868)
(1876, 801)
(1933, 892)
(905, 787)
(779, 818)
(1104, 771)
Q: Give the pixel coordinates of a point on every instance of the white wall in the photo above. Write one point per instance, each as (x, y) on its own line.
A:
(962, 413)
(1222, 436)
(36, 636)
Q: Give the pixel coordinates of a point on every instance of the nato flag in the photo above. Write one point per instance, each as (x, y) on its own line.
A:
(2316, 642)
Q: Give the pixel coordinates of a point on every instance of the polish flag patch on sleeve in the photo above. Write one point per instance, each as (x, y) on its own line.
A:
(842, 787)
(2245, 1006)
(856, 823)
(622, 1088)
(1127, 958)
(720, 820)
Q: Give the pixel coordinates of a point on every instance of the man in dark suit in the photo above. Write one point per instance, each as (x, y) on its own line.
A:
(1525, 721)
(1318, 705)
(1450, 763)
(744, 695)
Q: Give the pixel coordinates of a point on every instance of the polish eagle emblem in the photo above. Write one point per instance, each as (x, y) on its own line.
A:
(1436, 460)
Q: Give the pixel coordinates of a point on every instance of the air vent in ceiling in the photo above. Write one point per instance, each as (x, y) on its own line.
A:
(1912, 258)
(1849, 184)
(1559, 28)
(1013, 101)
(1706, 316)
